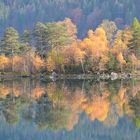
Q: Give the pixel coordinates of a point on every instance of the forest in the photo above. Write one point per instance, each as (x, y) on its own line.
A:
(86, 14)
(55, 46)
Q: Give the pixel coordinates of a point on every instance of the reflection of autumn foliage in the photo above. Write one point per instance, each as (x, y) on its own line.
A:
(97, 107)
(59, 106)
(120, 100)
(63, 98)
(37, 92)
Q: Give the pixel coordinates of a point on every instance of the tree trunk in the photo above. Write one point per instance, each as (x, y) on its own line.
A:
(82, 67)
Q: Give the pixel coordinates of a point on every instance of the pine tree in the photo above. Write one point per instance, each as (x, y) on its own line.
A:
(134, 45)
(25, 38)
(9, 43)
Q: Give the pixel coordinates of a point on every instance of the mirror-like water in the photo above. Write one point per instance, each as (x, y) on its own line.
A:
(69, 110)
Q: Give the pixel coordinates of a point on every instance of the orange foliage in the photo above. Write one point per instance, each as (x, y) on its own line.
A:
(71, 28)
(50, 64)
(38, 62)
(120, 45)
(96, 43)
(37, 92)
(96, 47)
(73, 53)
(4, 90)
(133, 59)
(4, 61)
(120, 58)
(97, 108)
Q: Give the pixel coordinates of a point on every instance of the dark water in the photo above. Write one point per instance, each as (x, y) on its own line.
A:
(70, 110)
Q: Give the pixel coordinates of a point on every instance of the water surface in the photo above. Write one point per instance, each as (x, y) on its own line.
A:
(69, 110)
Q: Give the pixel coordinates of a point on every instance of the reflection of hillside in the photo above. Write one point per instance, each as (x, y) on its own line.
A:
(59, 105)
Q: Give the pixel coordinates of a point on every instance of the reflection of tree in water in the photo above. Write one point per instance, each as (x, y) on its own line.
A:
(135, 106)
(59, 105)
(49, 116)
(11, 106)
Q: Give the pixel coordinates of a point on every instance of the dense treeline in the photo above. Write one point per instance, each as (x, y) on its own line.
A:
(55, 46)
(85, 13)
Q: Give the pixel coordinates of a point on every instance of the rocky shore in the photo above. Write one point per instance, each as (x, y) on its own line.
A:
(103, 76)
(55, 76)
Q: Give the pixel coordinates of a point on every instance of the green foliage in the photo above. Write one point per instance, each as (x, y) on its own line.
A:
(135, 24)
(25, 38)
(134, 44)
(57, 35)
(49, 36)
(137, 122)
(135, 106)
(9, 43)
(113, 63)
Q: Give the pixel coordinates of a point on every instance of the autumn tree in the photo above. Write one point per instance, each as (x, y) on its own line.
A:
(55, 61)
(110, 30)
(74, 58)
(32, 62)
(120, 46)
(96, 50)
(60, 35)
(4, 61)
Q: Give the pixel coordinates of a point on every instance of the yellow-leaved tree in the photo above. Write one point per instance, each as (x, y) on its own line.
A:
(96, 49)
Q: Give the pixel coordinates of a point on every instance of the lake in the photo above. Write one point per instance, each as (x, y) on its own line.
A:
(70, 110)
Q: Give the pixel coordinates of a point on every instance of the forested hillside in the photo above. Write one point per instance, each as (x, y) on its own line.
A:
(86, 14)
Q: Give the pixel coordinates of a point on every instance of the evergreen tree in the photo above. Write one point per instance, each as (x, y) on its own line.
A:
(9, 43)
(25, 38)
(39, 35)
(134, 44)
(50, 36)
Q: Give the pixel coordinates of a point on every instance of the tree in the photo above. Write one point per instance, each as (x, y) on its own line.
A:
(4, 61)
(55, 61)
(25, 38)
(54, 35)
(120, 46)
(110, 30)
(96, 50)
(40, 37)
(70, 28)
(74, 57)
(135, 24)
(112, 63)
(9, 43)
(57, 35)
(134, 43)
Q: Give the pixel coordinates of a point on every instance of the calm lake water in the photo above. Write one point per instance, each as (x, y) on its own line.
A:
(70, 110)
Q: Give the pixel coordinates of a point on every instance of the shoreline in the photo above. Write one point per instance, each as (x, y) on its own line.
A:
(47, 77)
